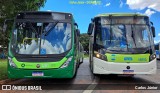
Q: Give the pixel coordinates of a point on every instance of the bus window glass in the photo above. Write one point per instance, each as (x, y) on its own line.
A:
(34, 40)
(124, 37)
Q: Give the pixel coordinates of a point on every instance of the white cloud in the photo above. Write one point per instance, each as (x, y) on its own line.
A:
(139, 13)
(108, 4)
(149, 12)
(142, 4)
(49, 10)
(158, 34)
(156, 41)
(155, 6)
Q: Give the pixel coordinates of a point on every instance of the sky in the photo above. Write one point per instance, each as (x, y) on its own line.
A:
(84, 11)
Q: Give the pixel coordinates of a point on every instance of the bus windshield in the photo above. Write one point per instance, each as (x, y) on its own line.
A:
(123, 38)
(34, 38)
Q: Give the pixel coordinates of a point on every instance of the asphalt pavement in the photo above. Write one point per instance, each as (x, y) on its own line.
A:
(86, 82)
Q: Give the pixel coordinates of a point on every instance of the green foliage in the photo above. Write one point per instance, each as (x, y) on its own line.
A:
(86, 55)
(10, 8)
(84, 39)
(3, 71)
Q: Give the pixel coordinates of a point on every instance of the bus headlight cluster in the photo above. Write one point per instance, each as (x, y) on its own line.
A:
(100, 56)
(152, 57)
(67, 62)
(11, 63)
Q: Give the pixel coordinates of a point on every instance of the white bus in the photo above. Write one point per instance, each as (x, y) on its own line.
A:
(158, 51)
(122, 44)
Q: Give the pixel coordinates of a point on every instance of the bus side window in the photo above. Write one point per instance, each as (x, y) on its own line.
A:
(145, 35)
(75, 36)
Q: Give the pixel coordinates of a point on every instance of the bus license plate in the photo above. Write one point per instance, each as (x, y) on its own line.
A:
(128, 71)
(37, 74)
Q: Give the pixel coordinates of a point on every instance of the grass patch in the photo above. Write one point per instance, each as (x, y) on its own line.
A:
(86, 55)
(3, 69)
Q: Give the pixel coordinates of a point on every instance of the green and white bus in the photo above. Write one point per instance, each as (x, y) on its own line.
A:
(122, 44)
(43, 45)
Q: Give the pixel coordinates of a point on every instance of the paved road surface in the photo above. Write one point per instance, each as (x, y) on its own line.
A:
(93, 84)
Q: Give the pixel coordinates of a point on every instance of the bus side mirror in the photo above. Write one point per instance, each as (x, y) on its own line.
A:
(76, 25)
(4, 27)
(5, 24)
(151, 23)
(78, 32)
(153, 31)
(90, 29)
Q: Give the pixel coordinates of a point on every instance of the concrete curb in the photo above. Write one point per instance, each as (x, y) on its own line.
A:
(6, 81)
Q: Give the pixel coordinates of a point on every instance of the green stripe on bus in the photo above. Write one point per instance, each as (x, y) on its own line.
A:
(43, 65)
(132, 58)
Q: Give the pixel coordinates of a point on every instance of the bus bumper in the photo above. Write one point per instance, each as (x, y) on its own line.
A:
(103, 67)
(14, 73)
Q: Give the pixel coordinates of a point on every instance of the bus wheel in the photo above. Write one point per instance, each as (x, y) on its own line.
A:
(91, 66)
(77, 66)
(75, 74)
(97, 75)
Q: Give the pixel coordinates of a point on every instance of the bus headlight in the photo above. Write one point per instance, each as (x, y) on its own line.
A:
(67, 62)
(100, 56)
(152, 57)
(11, 63)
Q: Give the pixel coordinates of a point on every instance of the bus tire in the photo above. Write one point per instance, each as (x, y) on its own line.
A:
(75, 74)
(77, 66)
(91, 65)
(96, 74)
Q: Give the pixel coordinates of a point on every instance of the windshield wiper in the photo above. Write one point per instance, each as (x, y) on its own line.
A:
(51, 28)
(133, 36)
(146, 50)
(119, 51)
(110, 34)
(115, 51)
(125, 35)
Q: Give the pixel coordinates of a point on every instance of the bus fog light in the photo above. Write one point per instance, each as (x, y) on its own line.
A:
(98, 55)
(11, 63)
(152, 57)
(67, 62)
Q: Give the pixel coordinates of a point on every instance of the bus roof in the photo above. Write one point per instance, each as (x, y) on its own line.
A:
(119, 14)
(44, 15)
(30, 12)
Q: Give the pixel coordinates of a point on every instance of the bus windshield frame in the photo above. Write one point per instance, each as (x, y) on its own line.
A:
(123, 35)
(34, 35)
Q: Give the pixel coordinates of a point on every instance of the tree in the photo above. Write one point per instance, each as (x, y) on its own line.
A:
(10, 8)
(84, 39)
